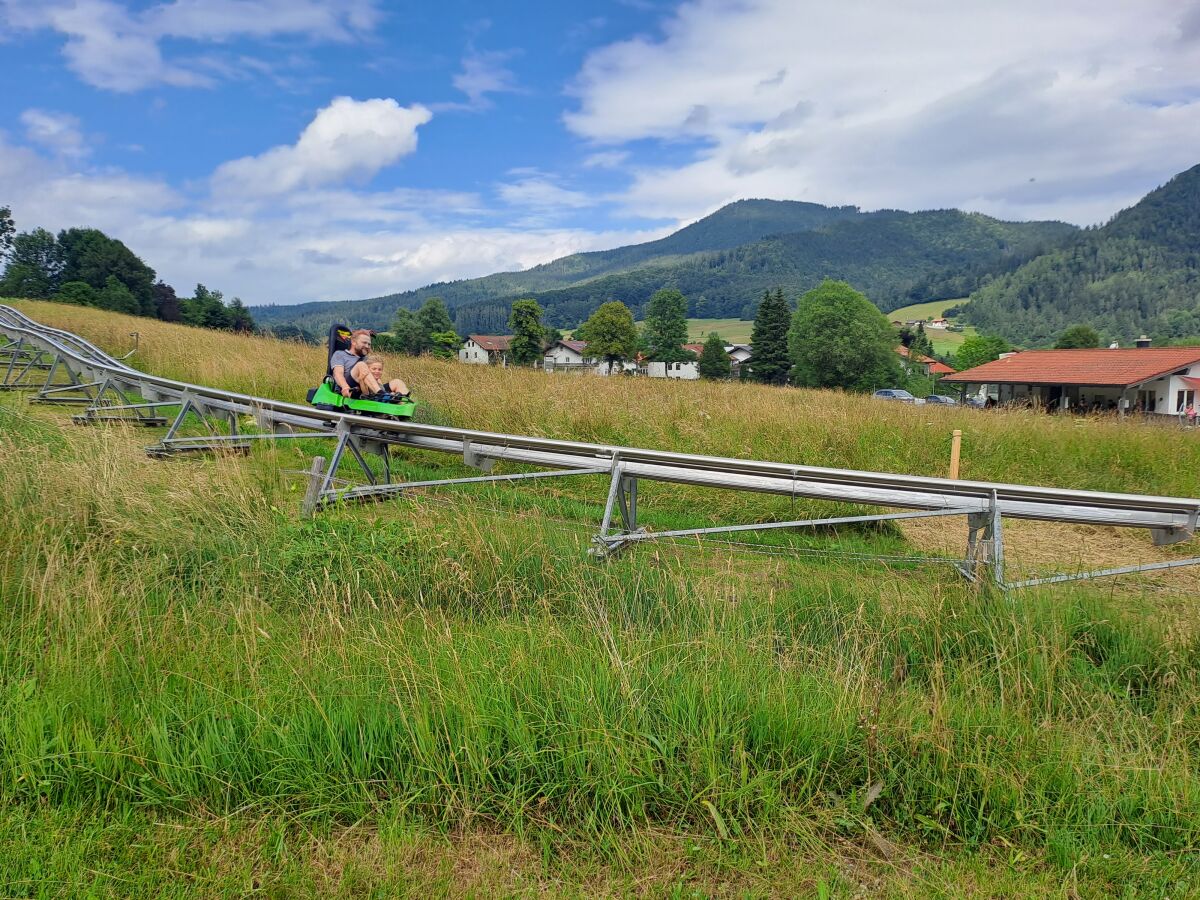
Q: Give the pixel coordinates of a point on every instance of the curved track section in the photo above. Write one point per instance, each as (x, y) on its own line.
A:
(80, 373)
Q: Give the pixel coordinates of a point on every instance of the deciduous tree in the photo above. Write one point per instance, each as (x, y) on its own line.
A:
(979, 349)
(34, 267)
(1078, 337)
(610, 333)
(839, 338)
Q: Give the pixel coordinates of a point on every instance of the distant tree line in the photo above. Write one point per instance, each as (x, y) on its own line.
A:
(86, 267)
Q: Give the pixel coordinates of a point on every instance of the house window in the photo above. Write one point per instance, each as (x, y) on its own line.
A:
(1184, 399)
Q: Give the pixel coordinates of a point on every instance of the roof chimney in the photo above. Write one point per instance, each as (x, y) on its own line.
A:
(1114, 346)
(1142, 343)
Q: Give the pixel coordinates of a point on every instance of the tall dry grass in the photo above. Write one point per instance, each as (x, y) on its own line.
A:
(175, 639)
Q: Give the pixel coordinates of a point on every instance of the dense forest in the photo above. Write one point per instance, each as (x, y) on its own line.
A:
(1139, 274)
(723, 263)
(86, 267)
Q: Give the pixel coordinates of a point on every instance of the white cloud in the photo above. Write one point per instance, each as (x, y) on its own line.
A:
(605, 159)
(347, 140)
(937, 103)
(310, 243)
(114, 48)
(486, 73)
(540, 192)
(56, 131)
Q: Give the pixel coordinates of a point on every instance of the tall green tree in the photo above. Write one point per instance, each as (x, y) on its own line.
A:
(610, 333)
(239, 316)
(1078, 337)
(35, 266)
(714, 361)
(433, 318)
(166, 304)
(525, 323)
(91, 256)
(666, 326)
(839, 338)
(8, 230)
(406, 332)
(979, 349)
(769, 361)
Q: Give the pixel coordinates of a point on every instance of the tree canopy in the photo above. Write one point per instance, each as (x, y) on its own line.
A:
(714, 361)
(7, 230)
(769, 362)
(666, 326)
(979, 349)
(525, 323)
(839, 339)
(610, 333)
(1078, 337)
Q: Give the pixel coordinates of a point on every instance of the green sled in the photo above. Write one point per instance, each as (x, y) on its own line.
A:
(324, 396)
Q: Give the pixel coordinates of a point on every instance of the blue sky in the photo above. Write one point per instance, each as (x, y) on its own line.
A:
(286, 150)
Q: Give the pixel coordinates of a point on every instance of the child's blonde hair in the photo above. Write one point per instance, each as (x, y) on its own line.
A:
(373, 359)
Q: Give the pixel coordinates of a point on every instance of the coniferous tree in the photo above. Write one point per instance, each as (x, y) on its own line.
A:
(769, 362)
(525, 323)
(714, 361)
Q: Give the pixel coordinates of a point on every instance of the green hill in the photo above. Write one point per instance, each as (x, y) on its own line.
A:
(723, 263)
(1139, 274)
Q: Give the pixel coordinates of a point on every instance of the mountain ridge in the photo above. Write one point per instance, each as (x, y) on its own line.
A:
(722, 262)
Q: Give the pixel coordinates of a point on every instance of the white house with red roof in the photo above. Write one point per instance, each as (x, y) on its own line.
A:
(927, 364)
(1158, 380)
(485, 349)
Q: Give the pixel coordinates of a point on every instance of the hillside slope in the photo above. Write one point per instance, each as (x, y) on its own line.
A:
(723, 263)
(1138, 274)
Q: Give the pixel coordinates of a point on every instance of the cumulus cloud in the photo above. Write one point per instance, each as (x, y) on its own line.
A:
(58, 132)
(310, 243)
(348, 140)
(938, 103)
(116, 48)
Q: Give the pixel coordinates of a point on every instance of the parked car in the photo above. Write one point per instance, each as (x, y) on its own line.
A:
(895, 394)
(941, 400)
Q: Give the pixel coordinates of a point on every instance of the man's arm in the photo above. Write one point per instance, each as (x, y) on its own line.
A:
(339, 378)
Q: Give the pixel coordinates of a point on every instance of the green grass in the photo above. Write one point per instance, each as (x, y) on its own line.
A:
(944, 342)
(203, 692)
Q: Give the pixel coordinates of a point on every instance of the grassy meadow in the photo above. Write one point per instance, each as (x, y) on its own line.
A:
(204, 693)
(946, 342)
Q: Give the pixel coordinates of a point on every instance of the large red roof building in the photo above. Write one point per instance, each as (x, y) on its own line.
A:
(1160, 380)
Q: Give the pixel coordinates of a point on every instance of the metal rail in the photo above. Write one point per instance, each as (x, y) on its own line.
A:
(80, 373)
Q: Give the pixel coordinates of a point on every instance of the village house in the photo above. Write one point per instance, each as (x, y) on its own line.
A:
(1152, 380)
(926, 364)
(485, 349)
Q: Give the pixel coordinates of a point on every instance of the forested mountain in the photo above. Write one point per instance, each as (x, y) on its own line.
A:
(723, 263)
(1139, 274)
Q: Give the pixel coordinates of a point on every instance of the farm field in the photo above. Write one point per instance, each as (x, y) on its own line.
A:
(945, 342)
(205, 693)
